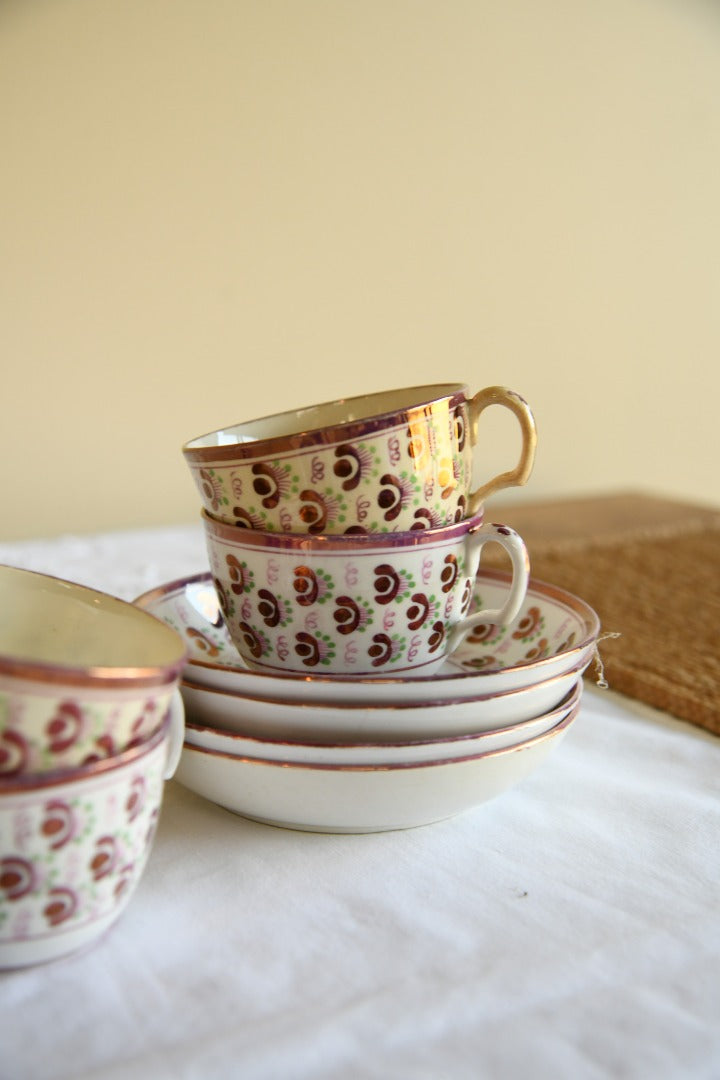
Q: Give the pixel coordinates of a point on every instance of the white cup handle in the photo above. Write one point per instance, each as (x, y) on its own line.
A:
(176, 734)
(515, 547)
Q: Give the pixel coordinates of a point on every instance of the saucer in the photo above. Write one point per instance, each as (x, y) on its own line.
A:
(336, 798)
(366, 752)
(357, 721)
(555, 633)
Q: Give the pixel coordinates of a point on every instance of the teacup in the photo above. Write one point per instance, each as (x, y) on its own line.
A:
(83, 675)
(73, 847)
(392, 461)
(356, 605)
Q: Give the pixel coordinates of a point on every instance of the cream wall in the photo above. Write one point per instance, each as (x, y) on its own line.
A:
(216, 209)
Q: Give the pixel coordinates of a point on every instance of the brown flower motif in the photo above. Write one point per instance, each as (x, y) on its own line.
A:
(528, 624)
(211, 488)
(64, 729)
(17, 877)
(202, 642)
(58, 824)
(61, 906)
(104, 857)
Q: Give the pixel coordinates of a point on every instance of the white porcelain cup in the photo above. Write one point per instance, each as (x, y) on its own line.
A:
(83, 675)
(74, 844)
(356, 605)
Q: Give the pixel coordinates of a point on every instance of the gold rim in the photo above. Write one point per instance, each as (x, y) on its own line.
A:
(398, 766)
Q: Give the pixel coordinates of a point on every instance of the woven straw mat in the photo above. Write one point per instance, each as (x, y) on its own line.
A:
(660, 593)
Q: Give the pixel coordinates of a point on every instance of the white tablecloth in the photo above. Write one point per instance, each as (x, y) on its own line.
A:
(569, 929)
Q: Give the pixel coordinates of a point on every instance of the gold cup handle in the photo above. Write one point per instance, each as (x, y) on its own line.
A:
(500, 395)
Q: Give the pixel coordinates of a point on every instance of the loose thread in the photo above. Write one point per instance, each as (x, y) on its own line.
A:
(600, 679)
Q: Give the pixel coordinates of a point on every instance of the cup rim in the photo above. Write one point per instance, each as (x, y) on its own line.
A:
(197, 449)
(309, 543)
(86, 675)
(21, 783)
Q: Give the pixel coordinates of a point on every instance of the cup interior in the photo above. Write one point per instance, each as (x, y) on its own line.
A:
(51, 622)
(379, 406)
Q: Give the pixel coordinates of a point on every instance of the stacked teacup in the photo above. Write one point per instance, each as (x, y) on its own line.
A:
(344, 544)
(344, 539)
(91, 724)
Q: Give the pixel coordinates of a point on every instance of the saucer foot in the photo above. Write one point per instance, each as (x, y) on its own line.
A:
(341, 829)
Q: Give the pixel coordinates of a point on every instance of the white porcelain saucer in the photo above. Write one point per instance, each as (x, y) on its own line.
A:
(356, 721)
(322, 797)
(412, 750)
(555, 633)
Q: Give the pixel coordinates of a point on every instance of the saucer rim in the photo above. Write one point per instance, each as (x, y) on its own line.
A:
(569, 702)
(396, 706)
(396, 766)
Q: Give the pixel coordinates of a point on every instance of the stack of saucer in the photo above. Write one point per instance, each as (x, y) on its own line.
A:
(352, 668)
(344, 754)
(91, 725)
